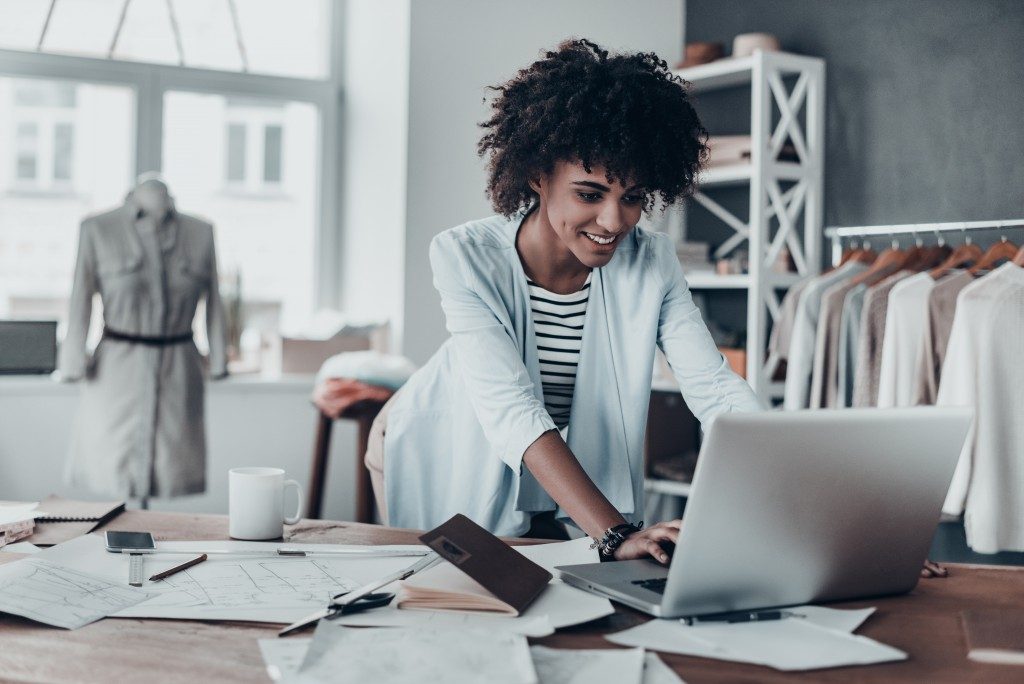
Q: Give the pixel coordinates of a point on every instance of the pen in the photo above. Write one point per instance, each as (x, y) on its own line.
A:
(743, 616)
(177, 568)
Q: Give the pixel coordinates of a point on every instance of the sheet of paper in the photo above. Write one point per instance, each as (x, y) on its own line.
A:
(248, 588)
(657, 672)
(283, 657)
(788, 644)
(385, 656)
(21, 547)
(61, 596)
(10, 513)
(548, 556)
(570, 666)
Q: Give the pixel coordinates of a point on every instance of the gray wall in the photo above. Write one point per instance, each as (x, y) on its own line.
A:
(925, 100)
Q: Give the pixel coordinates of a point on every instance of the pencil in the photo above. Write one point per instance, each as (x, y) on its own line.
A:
(177, 568)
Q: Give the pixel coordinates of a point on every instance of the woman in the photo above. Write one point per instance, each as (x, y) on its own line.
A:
(534, 410)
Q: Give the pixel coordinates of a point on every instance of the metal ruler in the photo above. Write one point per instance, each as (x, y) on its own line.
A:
(135, 569)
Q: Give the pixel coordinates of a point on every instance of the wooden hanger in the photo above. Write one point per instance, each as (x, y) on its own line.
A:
(1004, 250)
(888, 262)
(967, 253)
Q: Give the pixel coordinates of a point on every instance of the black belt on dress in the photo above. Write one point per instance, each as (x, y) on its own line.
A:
(147, 340)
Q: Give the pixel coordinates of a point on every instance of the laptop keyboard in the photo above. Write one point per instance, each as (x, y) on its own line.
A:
(655, 585)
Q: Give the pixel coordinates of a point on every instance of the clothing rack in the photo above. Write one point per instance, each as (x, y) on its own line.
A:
(836, 234)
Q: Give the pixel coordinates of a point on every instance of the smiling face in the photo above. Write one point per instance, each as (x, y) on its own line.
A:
(589, 215)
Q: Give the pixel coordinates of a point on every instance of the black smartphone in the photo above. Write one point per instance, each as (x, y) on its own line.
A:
(140, 542)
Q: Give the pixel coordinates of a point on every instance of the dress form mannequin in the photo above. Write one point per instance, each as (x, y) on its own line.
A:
(140, 430)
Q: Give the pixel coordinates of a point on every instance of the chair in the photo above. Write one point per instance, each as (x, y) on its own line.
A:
(363, 413)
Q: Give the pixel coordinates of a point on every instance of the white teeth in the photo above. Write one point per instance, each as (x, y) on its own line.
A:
(600, 241)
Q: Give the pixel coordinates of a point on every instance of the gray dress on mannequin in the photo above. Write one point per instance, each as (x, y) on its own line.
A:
(140, 427)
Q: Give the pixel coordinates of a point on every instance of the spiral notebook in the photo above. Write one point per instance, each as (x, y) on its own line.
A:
(58, 509)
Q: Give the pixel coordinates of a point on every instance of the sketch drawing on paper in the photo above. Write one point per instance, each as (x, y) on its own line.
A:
(59, 596)
(254, 584)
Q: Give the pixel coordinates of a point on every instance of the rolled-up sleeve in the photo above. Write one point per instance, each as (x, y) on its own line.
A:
(491, 366)
(708, 384)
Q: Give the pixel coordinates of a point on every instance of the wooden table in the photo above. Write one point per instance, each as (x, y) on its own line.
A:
(925, 624)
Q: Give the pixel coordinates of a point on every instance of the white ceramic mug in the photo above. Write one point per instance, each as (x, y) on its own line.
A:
(256, 503)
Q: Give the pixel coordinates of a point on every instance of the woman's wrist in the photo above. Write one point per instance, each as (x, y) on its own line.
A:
(613, 538)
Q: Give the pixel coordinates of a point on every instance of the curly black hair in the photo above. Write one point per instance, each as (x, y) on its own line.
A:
(627, 113)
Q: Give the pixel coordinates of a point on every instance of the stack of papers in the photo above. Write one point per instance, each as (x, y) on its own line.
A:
(17, 521)
(286, 659)
(819, 638)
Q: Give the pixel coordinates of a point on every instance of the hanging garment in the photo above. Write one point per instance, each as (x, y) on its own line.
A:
(872, 334)
(140, 430)
(782, 329)
(904, 326)
(849, 333)
(824, 378)
(805, 326)
(935, 338)
(982, 369)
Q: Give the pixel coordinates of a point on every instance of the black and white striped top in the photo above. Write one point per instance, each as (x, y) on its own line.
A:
(558, 323)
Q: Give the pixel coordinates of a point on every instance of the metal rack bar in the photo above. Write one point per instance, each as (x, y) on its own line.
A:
(836, 234)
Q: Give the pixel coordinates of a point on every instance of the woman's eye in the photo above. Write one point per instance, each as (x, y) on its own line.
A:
(632, 199)
(589, 196)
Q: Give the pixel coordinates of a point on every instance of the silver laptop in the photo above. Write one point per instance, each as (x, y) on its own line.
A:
(789, 508)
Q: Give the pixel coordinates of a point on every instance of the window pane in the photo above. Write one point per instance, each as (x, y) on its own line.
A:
(147, 35)
(83, 27)
(21, 22)
(236, 152)
(272, 154)
(39, 226)
(63, 146)
(289, 39)
(208, 34)
(266, 234)
(28, 150)
(44, 94)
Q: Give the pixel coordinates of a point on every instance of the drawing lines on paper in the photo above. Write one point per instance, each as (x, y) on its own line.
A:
(60, 596)
(257, 583)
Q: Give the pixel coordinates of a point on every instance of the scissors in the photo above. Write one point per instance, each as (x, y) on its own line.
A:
(363, 598)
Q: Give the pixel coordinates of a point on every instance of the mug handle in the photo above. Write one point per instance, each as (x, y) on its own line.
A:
(298, 504)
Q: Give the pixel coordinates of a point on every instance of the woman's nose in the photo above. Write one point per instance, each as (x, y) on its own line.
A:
(610, 217)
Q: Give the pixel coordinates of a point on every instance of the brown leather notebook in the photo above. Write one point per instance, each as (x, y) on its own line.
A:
(490, 563)
(994, 635)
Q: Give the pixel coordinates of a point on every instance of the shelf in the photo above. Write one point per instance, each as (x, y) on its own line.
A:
(706, 280)
(667, 487)
(722, 73)
(740, 174)
(729, 72)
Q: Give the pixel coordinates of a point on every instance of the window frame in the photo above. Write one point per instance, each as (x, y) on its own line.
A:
(151, 81)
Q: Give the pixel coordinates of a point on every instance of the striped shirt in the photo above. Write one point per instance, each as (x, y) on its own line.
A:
(558, 324)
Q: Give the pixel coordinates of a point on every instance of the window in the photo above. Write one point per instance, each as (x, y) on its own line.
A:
(47, 127)
(264, 206)
(254, 36)
(243, 151)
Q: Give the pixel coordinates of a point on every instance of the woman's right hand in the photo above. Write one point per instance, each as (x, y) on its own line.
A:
(646, 542)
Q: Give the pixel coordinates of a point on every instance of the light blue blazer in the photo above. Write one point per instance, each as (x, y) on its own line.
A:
(456, 432)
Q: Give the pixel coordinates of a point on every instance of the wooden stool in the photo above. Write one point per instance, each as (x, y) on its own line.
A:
(363, 413)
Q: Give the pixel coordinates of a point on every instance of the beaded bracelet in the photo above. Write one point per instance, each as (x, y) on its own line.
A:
(613, 539)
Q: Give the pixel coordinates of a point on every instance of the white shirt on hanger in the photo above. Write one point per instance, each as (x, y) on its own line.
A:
(982, 369)
(904, 325)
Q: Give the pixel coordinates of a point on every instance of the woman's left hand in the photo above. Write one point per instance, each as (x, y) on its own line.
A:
(647, 542)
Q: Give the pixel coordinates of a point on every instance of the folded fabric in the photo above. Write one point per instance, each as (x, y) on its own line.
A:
(371, 367)
(336, 395)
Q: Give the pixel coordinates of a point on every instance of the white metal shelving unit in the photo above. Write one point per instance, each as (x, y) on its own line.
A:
(776, 214)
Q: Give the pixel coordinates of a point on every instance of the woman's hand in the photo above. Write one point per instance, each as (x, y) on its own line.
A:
(646, 542)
